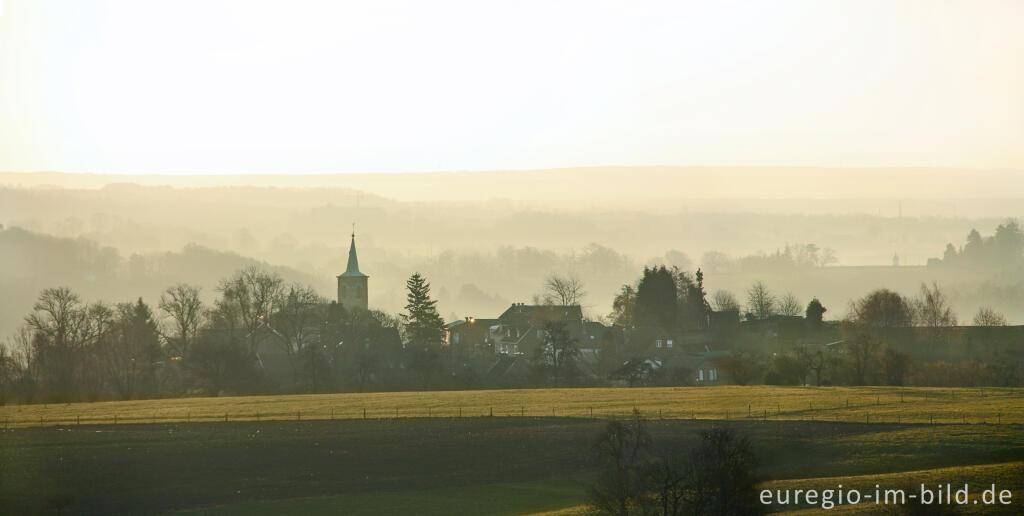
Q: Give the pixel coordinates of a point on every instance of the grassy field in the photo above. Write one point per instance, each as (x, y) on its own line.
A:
(836, 404)
(480, 465)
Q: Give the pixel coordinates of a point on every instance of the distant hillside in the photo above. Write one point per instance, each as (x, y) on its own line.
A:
(706, 187)
(30, 262)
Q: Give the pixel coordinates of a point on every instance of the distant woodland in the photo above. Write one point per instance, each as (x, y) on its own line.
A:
(124, 240)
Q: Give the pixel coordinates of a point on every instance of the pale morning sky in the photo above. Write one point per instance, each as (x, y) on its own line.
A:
(239, 86)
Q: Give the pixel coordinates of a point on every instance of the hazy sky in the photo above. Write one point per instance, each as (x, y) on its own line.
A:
(304, 86)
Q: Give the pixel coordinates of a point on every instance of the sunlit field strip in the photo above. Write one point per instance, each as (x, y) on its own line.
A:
(842, 404)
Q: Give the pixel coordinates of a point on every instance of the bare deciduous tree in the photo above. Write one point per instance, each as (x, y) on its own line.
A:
(789, 305)
(182, 304)
(724, 301)
(563, 290)
(760, 301)
(300, 309)
(931, 308)
(248, 298)
(986, 316)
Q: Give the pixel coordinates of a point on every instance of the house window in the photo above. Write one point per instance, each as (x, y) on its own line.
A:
(659, 342)
(713, 374)
(700, 375)
(668, 343)
(457, 335)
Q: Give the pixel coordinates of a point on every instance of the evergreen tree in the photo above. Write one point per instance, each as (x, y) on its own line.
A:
(423, 325)
(656, 298)
(815, 311)
(424, 328)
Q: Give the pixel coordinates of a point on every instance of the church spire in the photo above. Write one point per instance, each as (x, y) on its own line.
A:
(353, 260)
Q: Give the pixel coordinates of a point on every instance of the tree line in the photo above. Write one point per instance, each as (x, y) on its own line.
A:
(68, 349)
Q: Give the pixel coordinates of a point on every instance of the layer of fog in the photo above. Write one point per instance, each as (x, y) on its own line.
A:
(480, 255)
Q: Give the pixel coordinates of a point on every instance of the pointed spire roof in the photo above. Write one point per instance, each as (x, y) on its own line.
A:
(353, 261)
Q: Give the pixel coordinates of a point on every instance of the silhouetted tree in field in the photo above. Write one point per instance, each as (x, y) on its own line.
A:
(714, 478)
(623, 452)
(719, 477)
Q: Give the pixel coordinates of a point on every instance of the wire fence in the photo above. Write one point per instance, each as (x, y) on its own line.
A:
(899, 412)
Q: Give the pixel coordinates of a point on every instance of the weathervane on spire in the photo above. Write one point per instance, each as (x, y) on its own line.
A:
(353, 229)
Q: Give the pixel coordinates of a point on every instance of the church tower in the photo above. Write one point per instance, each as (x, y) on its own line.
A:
(352, 284)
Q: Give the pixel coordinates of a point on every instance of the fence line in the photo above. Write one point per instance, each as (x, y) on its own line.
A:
(856, 414)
